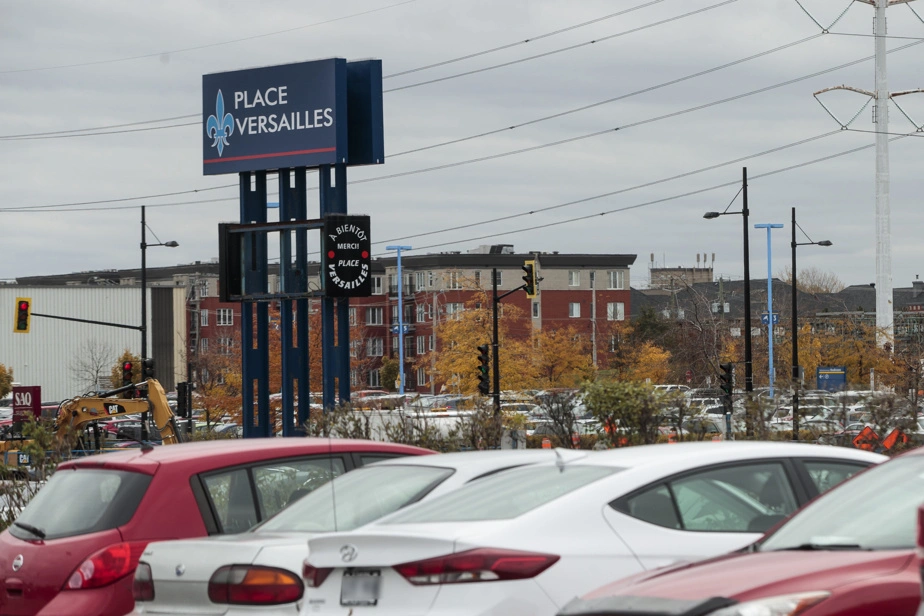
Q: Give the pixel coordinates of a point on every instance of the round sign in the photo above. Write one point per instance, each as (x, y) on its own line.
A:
(347, 267)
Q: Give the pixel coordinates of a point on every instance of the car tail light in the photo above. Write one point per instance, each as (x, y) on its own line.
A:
(106, 566)
(252, 585)
(920, 550)
(314, 576)
(479, 565)
(143, 584)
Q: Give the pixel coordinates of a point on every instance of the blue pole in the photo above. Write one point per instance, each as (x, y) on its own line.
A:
(400, 319)
(769, 227)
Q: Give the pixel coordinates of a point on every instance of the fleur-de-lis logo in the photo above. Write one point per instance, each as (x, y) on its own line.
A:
(220, 126)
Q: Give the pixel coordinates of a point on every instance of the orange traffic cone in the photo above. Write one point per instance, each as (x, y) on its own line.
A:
(546, 443)
(672, 437)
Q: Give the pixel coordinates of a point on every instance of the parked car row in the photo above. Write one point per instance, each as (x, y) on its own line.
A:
(330, 526)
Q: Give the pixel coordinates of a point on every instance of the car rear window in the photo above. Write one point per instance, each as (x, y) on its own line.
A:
(82, 501)
(504, 496)
(357, 498)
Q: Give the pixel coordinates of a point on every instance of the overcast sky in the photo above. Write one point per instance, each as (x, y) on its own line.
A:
(686, 127)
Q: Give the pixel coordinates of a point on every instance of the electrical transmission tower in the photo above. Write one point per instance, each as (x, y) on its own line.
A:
(885, 331)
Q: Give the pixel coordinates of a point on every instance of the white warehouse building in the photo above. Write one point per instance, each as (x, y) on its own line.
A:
(63, 356)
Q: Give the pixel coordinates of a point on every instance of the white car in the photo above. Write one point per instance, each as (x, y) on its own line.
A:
(216, 575)
(528, 540)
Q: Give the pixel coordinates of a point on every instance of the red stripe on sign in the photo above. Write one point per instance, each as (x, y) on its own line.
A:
(273, 155)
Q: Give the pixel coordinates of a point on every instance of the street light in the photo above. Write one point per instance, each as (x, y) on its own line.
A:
(400, 319)
(748, 372)
(769, 226)
(795, 325)
(144, 304)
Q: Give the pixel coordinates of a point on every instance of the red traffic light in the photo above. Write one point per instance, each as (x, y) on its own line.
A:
(127, 366)
(23, 305)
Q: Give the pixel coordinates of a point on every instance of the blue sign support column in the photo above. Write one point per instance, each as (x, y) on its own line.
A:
(335, 358)
(293, 205)
(254, 357)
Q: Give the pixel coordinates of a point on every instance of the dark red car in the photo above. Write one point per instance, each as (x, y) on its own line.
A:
(74, 548)
(850, 552)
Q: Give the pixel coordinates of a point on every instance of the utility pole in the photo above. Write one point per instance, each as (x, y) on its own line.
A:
(885, 330)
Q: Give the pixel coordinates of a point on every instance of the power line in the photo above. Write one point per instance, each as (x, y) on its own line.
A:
(620, 191)
(654, 202)
(522, 42)
(104, 130)
(562, 49)
(563, 141)
(206, 46)
(515, 126)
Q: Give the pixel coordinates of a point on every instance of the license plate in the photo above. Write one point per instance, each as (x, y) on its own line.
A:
(360, 587)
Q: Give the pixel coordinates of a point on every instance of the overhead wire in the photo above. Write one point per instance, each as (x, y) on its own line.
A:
(205, 46)
(522, 124)
(104, 130)
(648, 203)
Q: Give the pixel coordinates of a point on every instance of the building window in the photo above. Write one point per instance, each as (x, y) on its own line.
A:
(421, 345)
(429, 279)
(204, 288)
(574, 278)
(422, 312)
(454, 280)
(421, 279)
(225, 316)
(204, 318)
(375, 347)
(376, 285)
(500, 278)
(430, 311)
(204, 345)
(574, 310)
(352, 316)
(421, 376)
(617, 279)
(535, 310)
(225, 344)
(453, 310)
(616, 311)
(613, 343)
(354, 346)
(375, 379)
(354, 378)
(478, 279)
(374, 316)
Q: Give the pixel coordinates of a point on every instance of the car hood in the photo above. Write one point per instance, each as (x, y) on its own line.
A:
(750, 576)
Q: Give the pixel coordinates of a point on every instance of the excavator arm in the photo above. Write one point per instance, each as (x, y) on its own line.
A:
(76, 412)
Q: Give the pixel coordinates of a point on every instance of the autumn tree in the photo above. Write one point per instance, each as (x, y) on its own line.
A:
(630, 412)
(6, 381)
(560, 358)
(115, 374)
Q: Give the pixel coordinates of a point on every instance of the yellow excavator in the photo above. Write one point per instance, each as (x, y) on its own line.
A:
(78, 413)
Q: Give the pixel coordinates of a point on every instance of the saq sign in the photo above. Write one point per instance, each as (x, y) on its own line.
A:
(291, 115)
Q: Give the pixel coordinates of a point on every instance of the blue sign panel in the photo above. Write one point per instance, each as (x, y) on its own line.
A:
(291, 115)
(831, 378)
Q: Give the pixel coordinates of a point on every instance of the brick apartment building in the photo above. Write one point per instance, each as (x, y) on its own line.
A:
(586, 291)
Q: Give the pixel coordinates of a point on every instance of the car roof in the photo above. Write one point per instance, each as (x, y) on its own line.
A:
(204, 455)
(641, 455)
(478, 462)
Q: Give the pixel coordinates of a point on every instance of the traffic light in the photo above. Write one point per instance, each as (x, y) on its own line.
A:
(23, 315)
(727, 379)
(182, 399)
(484, 376)
(147, 368)
(127, 373)
(532, 283)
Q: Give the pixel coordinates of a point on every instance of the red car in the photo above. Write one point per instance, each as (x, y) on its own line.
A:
(850, 552)
(74, 548)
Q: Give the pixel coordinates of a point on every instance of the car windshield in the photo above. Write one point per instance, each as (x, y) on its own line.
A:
(82, 501)
(504, 496)
(877, 510)
(357, 498)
